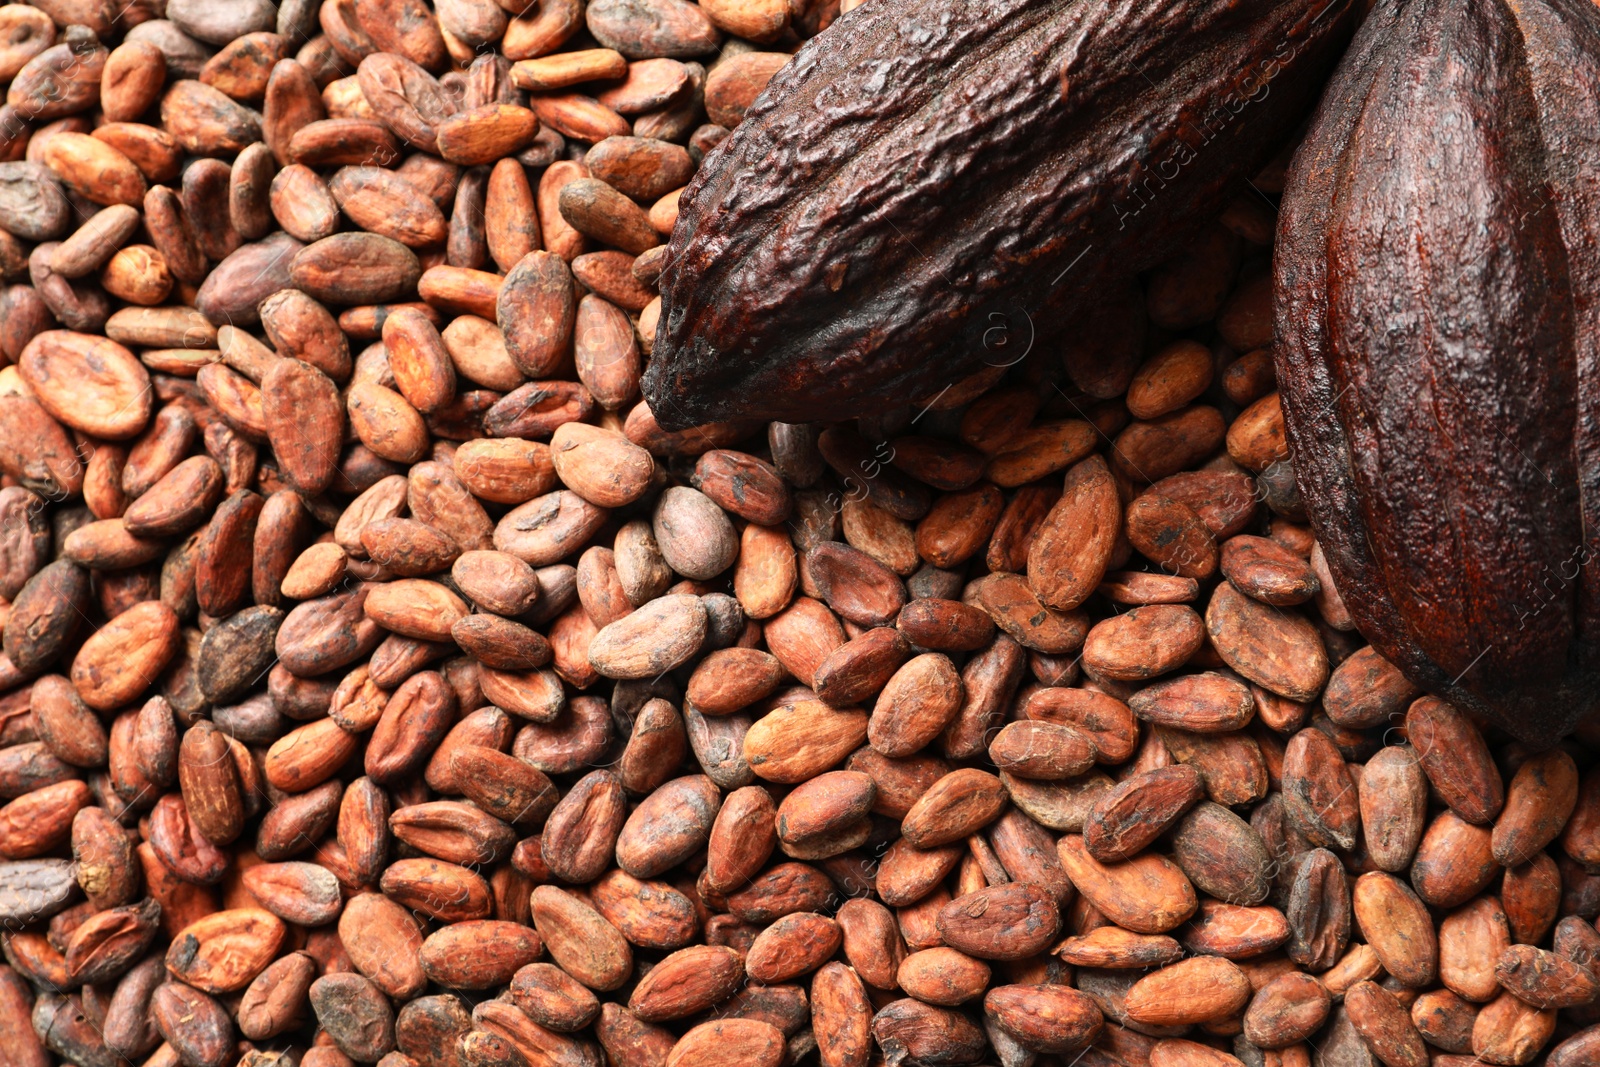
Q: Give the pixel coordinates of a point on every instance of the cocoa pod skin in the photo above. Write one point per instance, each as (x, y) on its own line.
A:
(1469, 618)
(736, 242)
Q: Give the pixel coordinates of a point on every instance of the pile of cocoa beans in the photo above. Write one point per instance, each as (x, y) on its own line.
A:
(382, 684)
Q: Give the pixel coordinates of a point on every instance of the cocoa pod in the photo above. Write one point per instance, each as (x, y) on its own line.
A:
(712, 362)
(1534, 680)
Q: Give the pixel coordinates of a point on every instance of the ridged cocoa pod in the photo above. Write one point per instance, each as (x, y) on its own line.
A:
(790, 243)
(1438, 330)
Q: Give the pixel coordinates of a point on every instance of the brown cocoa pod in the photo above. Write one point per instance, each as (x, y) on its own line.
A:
(694, 386)
(1529, 678)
